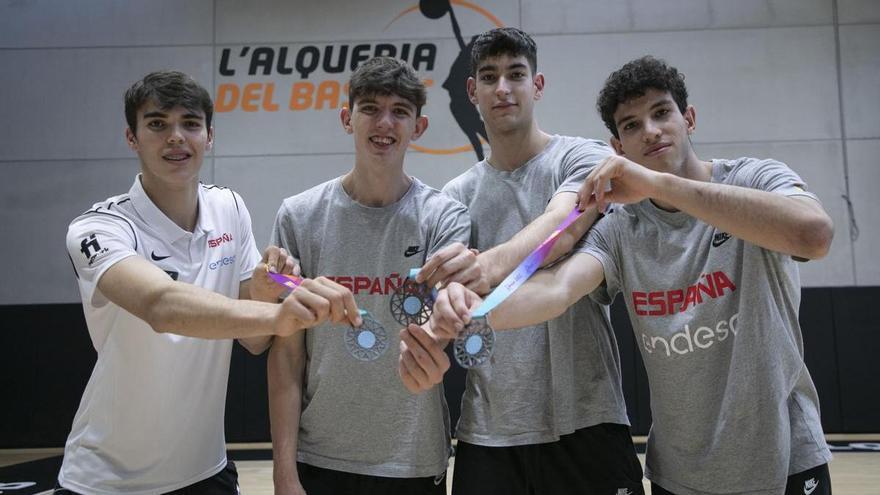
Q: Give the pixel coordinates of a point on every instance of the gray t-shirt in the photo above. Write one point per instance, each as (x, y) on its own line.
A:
(556, 377)
(716, 321)
(357, 416)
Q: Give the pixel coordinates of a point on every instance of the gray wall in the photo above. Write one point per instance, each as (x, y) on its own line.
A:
(796, 80)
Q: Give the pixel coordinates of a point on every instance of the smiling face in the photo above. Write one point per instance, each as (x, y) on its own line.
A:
(171, 145)
(505, 90)
(653, 132)
(383, 127)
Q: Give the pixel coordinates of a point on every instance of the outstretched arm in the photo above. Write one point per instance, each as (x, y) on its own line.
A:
(147, 292)
(502, 259)
(261, 288)
(794, 225)
(546, 295)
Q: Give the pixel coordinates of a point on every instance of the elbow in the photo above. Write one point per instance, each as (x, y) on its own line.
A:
(256, 346)
(159, 321)
(159, 315)
(814, 239)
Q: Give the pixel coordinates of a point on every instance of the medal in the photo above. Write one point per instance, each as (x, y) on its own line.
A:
(412, 302)
(470, 353)
(368, 341)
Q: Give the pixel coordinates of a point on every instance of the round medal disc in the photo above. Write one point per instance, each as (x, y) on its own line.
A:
(367, 342)
(474, 346)
(412, 303)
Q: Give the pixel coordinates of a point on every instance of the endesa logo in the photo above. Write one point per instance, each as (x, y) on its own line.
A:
(310, 77)
(688, 340)
(224, 261)
(667, 302)
(212, 243)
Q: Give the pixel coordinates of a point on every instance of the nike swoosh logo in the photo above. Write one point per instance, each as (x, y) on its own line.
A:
(809, 490)
(720, 238)
(411, 252)
(158, 258)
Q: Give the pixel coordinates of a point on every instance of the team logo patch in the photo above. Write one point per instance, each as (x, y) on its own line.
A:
(91, 248)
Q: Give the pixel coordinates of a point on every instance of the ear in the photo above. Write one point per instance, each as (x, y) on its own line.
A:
(472, 90)
(210, 142)
(538, 81)
(690, 116)
(131, 139)
(618, 147)
(345, 117)
(421, 126)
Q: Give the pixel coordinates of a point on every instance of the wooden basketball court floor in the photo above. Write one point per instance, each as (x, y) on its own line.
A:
(854, 471)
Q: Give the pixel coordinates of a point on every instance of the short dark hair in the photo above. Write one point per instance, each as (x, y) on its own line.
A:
(633, 80)
(168, 89)
(387, 76)
(504, 41)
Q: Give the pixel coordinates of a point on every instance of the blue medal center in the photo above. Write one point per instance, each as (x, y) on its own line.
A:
(473, 344)
(412, 305)
(366, 339)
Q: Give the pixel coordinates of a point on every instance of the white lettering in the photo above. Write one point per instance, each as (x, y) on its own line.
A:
(708, 333)
(683, 342)
(686, 334)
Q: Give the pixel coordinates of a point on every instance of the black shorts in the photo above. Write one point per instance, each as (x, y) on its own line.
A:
(320, 481)
(600, 459)
(815, 481)
(223, 483)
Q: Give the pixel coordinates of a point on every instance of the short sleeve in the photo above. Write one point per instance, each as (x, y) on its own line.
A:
(578, 161)
(250, 254)
(95, 242)
(601, 243)
(453, 225)
(774, 176)
(283, 233)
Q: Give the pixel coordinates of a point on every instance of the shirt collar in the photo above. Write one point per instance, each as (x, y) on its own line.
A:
(157, 219)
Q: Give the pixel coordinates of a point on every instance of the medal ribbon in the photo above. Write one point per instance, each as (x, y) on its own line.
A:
(525, 269)
(289, 281)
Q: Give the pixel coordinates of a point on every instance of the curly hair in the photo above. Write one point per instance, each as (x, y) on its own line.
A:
(633, 80)
(387, 76)
(504, 41)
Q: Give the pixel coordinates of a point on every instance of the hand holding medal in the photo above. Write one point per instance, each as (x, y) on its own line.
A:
(366, 342)
(474, 345)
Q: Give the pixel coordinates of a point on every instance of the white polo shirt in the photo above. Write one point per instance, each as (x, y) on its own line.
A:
(151, 419)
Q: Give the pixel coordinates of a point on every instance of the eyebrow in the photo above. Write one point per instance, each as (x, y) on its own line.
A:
(163, 115)
(150, 115)
(399, 104)
(493, 67)
(665, 101)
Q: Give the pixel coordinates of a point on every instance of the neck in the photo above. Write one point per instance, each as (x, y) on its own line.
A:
(511, 150)
(376, 187)
(180, 204)
(695, 169)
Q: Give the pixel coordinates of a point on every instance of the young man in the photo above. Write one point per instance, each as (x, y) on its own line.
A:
(340, 425)
(547, 413)
(159, 270)
(703, 253)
